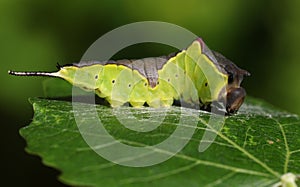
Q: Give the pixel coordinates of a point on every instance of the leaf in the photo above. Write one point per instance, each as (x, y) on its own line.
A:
(254, 148)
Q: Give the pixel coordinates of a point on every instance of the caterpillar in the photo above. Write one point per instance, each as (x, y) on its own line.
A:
(194, 75)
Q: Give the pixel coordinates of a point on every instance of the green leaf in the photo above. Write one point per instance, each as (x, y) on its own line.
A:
(254, 148)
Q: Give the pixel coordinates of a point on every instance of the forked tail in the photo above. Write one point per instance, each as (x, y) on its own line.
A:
(47, 74)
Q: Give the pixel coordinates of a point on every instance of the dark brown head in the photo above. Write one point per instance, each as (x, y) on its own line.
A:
(234, 99)
(235, 94)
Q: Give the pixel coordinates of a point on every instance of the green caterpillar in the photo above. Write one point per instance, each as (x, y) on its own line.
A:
(194, 75)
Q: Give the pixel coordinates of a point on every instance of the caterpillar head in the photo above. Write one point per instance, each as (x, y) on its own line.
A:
(235, 94)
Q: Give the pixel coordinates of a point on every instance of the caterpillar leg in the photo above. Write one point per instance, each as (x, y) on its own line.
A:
(115, 103)
(137, 104)
(167, 103)
(156, 103)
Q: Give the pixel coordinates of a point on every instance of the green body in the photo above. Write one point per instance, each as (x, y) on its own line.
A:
(180, 77)
(194, 76)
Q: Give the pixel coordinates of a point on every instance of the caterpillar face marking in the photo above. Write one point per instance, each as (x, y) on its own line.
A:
(195, 75)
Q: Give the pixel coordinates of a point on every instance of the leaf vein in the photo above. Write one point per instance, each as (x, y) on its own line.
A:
(244, 151)
(287, 149)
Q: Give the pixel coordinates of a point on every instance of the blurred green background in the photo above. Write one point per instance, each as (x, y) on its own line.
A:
(260, 36)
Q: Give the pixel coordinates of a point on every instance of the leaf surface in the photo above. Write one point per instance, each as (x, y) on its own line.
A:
(254, 147)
